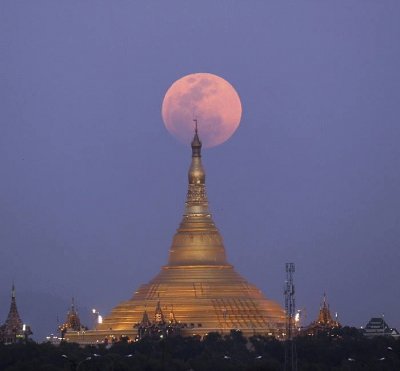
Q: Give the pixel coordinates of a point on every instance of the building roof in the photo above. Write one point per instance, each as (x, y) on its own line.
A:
(324, 321)
(13, 328)
(377, 326)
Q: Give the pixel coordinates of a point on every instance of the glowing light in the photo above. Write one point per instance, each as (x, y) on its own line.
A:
(99, 319)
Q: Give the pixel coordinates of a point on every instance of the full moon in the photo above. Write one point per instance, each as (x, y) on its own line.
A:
(208, 98)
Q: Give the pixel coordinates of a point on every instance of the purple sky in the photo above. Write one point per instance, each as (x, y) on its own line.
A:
(93, 187)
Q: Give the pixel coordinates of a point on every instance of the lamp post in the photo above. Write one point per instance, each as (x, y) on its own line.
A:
(77, 366)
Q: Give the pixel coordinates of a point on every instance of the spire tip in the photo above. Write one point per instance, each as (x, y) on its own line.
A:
(196, 143)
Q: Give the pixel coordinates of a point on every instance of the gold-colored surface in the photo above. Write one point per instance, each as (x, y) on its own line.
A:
(204, 289)
(324, 322)
(216, 297)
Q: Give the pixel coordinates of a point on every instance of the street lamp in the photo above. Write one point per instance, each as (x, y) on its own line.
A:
(77, 366)
(97, 316)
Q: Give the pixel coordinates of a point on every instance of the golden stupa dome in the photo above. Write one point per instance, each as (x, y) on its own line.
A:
(200, 285)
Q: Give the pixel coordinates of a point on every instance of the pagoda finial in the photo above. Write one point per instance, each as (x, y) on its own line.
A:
(196, 143)
(13, 291)
(195, 125)
(196, 172)
(323, 304)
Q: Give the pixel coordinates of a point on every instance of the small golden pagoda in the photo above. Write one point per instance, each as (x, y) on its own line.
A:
(72, 322)
(325, 322)
(160, 327)
(204, 290)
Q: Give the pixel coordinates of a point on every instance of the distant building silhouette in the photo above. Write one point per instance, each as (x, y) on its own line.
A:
(378, 327)
(13, 330)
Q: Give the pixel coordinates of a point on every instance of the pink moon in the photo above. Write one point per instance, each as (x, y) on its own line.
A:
(208, 98)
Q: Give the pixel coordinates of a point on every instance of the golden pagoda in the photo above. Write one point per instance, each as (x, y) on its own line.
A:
(204, 290)
(324, 323)
(72, 322)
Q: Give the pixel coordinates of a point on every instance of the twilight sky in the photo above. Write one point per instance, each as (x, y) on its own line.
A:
(93, 186)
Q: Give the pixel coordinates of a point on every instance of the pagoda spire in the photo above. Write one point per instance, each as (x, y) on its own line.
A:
(197, 240)
(196, 143)
(13, 326)
(72, 322)
(324, 316)
(159, 315)
(13, 317)
(145, 319)
(172, 318)
(324, 322)
(197, 176)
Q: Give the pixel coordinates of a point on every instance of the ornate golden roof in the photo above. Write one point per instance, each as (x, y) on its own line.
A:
(324, 315)
(324, 322)
(72, 322)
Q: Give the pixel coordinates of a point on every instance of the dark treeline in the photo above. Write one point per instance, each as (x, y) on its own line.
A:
(347, 350)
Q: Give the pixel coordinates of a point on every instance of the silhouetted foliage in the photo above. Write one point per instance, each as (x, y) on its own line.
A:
(345, 349)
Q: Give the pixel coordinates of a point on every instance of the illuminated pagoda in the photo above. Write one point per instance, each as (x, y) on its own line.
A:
(205, 291)
(72, 322)
(324, 323)
(13, 330)
(160, 327)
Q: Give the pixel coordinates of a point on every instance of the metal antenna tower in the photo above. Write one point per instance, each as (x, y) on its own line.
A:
(290, 309)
